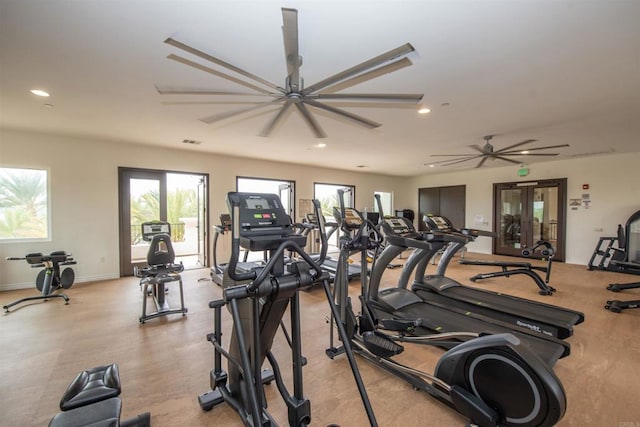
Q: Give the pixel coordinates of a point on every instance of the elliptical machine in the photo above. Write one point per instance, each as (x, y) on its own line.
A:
(257, 300)
(492, 379)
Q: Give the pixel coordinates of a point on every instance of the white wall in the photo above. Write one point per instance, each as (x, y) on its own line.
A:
(614, 189)
(84, 193)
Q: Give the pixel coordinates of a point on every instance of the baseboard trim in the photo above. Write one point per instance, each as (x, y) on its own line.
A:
(27, 285)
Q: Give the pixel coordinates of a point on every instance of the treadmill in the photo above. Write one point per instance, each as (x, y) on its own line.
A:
(543, 318)
(403, 310)
(330, 265)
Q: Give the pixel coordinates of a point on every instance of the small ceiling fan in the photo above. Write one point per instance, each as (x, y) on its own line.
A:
(293, 93)
(488, 152)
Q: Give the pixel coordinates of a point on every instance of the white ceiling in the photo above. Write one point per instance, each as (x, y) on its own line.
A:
(561, 72)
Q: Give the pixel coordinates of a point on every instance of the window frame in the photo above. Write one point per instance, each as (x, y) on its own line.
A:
(48, 195)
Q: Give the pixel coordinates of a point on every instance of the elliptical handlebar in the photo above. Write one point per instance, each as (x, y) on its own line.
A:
(245, 290)
(253, 288)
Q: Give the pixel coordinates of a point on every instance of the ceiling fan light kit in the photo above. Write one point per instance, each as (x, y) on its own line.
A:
(293, 94)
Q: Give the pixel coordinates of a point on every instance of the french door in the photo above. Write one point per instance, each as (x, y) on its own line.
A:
(176, 197)
(527, 212)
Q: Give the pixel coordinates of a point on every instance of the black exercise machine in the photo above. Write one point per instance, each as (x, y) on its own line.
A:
(328, 264)
(617, 305)
(542, 249)
(544, 318)
(258, 300)
(161, 269)
(625, 256)
(92, 399)
(217, 269)
(50, 279)
(491, 379)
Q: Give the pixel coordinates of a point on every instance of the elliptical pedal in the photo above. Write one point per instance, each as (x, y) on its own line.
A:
(381, 345)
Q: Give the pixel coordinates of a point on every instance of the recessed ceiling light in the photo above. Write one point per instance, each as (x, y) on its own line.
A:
(424, 110)
(432, 166)
(39, 92)
(321, 145)
(524, 152)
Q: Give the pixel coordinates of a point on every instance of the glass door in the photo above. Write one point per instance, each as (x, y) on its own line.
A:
(285, 191)
(178, 198)
(527, 212)
(142, 198)
(510, 240)
(203, 253)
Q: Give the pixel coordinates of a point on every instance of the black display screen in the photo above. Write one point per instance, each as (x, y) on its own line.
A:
(259, 203)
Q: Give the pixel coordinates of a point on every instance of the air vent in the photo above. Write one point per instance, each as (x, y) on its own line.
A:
(191, 141)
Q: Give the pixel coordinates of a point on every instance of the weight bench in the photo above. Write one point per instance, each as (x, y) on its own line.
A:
(92, 400)
(526, 268)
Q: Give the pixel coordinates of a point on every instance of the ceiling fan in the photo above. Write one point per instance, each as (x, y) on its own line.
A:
(488, 152)
(293, 93)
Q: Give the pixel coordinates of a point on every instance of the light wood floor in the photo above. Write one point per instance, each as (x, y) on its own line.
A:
(165, 363)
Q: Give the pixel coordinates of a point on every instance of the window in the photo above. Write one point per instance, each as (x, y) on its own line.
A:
(284, 189)
(327, 194)
(24, 204)
(386, 200)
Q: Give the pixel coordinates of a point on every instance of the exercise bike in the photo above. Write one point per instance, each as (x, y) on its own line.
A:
(493, 380)
(50, 278)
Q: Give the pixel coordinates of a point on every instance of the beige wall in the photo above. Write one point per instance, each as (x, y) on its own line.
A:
(614, 188)
(84, 193)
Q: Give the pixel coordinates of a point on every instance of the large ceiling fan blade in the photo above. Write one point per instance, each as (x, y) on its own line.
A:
(354, 117)
(217, 117)
(311, 121)
(392, 97)
(484, 159)
(172, 90)
(454, 155)
(520, 153)
(220, 62)
(506, 159)
(361, 78)
(477, 148)
(518, 144)
(266, 131)
(360, 68)
(548, 147)
(450, 162)
(201, 67)
(291, 51)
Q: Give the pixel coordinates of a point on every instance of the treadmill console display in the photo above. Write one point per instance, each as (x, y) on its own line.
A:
(437, 223)
(398, 226)
(352, 218)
